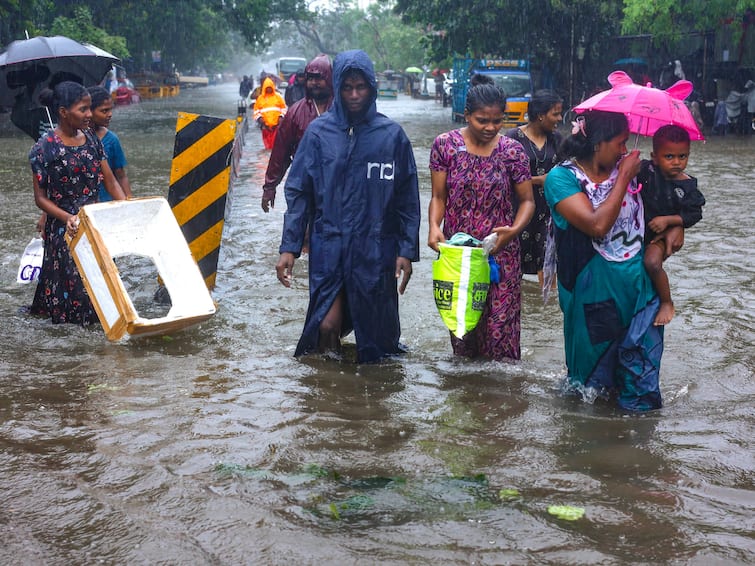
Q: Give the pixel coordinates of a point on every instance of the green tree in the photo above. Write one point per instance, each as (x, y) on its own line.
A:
(189, 34)
(390, 43)
(18, 17)
(667, 20)
(378, 31)
(561, 38)
(327, 30)
(82, 29)
(256, 19)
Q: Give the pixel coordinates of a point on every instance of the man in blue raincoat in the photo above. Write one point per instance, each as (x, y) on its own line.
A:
(354, 181)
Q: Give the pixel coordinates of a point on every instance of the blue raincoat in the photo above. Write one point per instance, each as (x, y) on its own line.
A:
(355, 184)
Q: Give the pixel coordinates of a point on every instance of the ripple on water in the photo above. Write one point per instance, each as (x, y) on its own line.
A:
(215, 446)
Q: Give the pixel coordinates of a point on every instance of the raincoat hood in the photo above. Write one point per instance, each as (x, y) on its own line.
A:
(321, 64)
(345, 61)
(353, 188)
(268, 86)
(269, 104)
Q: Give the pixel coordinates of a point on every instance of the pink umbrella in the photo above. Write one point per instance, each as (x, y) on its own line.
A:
(646, 108)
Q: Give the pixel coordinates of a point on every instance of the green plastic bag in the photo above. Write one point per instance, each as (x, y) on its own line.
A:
(461, 279)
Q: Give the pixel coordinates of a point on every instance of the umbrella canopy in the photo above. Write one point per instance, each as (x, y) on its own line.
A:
(646, 108)
(413, 70)
(27, 66)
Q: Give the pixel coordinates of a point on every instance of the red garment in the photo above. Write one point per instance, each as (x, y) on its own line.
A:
(290, 132)
(268, 137)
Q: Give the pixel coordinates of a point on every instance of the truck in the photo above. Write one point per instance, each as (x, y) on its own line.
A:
(287, 66)
(512, 75)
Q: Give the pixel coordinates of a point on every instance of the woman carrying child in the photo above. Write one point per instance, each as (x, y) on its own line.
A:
(612, 347)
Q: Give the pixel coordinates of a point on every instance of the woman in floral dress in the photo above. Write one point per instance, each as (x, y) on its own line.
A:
(68, 164)
(481, 184)
(540, 139)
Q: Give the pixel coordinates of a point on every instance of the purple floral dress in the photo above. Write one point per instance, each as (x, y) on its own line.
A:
(481, 197)
(70, 176)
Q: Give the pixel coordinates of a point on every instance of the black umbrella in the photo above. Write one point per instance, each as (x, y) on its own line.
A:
(29, 65)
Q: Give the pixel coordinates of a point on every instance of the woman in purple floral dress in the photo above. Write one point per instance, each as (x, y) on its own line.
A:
(481, 184)
(68, 164)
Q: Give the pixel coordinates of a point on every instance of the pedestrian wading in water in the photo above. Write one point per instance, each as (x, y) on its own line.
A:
(354, 182)
(613, 348)
(68, 163)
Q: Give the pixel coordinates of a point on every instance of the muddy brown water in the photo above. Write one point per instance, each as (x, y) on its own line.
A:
(216, 446)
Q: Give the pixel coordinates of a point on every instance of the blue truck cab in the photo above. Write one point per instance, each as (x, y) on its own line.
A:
(512, 75)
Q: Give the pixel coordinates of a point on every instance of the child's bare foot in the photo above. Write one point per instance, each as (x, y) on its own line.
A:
(665, 314)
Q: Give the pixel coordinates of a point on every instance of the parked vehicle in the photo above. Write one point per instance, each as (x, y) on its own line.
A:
(125, 93)
(286, 67)
(448, 86)
(512, 75)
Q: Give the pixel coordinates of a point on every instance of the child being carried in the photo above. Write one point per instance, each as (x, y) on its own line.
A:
(671, 198)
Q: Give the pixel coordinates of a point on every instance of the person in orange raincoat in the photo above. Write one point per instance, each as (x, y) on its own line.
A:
(269, 108)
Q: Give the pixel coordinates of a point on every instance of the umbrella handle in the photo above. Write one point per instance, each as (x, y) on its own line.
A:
(49, 117)
(637, 137)
(632, 191)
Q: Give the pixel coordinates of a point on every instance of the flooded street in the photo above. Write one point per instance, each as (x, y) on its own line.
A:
(216, 446)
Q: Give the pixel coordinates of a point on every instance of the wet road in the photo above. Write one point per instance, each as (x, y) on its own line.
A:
(215, 446)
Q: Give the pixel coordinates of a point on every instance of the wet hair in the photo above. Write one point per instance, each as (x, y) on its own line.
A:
(670, 133)
(594, 127)
(353, 73)
(483, 92)
(99, 96)
(541, 103)
(64, 95)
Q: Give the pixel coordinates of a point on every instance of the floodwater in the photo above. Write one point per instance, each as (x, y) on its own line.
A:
(216, 446)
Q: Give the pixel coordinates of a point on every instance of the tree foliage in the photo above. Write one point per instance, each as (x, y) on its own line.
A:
(82, 29)
(192, 34)
(389, 42)
(188, 34)
(666, 20)
(559, 37)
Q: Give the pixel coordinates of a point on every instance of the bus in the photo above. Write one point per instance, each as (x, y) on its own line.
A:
(287, 66)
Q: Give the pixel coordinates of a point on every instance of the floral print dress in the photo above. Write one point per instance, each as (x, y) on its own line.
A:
(70, 176)
(481, 197)
(533, 237)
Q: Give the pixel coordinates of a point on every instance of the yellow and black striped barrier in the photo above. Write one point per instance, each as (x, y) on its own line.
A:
(200, 177)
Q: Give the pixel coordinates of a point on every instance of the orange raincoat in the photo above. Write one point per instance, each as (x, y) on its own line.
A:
(269, 105)
(269, 108)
